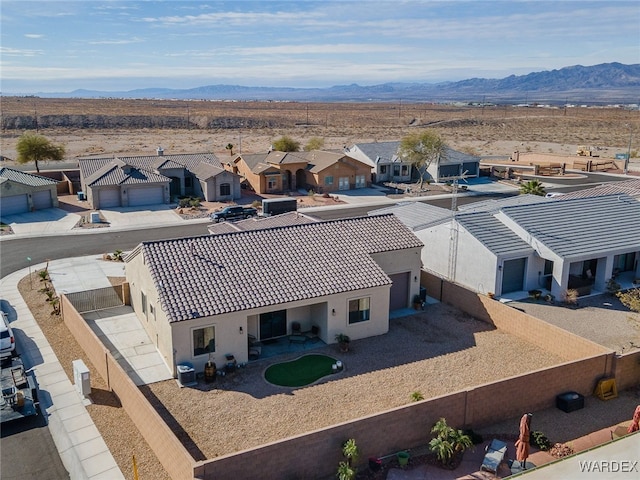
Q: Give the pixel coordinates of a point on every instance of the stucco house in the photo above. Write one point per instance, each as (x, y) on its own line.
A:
(386, 165)
(318, 170)
(453, 164)
(530, 243)
(201, 297)
(150, 180)
(22, 192)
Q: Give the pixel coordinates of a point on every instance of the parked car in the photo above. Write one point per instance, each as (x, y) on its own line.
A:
(233, 213)
(7, 340)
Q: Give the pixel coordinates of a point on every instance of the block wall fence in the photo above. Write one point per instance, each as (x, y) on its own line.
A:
(403, 427)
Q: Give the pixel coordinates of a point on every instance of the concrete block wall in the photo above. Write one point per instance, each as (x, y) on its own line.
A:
(560, 342)
(627, 370)
(172, 454)
(317, 454)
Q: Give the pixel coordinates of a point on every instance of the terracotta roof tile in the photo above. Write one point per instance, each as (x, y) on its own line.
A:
(218, 274)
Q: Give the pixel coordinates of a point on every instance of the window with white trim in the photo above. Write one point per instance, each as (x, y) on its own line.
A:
(359, 310)
(204, 340)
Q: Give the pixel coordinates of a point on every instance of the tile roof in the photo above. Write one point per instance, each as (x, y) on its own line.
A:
(495, 205)
(630, 187)
(454, 156)
(416, 215)
(218, 274)
(582, 226)
(257, 223)
(493, 234)
(117, 172)
(376, 151)
(25, 178)
(150, 164)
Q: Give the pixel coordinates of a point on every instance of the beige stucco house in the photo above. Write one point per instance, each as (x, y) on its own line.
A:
(22, 192)
(199, 298)
(150, 180)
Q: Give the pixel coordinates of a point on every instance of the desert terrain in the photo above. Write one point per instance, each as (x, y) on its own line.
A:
(137, 127)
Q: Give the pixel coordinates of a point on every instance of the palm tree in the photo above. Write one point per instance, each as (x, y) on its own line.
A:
(533, 187)
(33, 148)
(230, 148)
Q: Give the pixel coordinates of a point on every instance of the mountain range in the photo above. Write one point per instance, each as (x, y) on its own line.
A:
(606, 83)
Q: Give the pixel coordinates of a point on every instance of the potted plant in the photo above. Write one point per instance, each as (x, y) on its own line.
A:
(449, 443)
(417, 302)
(343, 340)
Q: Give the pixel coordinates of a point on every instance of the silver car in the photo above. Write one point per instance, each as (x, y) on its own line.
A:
(7, 340)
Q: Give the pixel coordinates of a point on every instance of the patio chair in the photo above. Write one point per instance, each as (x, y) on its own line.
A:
(295, 328)
(313, 333)
(494, 456)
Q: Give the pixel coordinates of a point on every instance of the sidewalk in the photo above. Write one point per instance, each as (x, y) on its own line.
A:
(80, 445)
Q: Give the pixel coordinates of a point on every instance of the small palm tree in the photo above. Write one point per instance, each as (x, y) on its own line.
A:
(533, 187)
(442, 448)
(350, 451)
(448, 441)
(345, 472)
(230, 148)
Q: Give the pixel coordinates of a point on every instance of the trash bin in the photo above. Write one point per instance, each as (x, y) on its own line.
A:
(423, 294)
(186, 375)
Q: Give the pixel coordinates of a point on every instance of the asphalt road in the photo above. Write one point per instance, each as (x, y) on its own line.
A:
(28, 451)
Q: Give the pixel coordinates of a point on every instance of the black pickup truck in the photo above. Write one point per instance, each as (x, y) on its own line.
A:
(233, 213)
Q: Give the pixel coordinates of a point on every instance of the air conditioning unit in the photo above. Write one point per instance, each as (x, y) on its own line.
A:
(186, 375)
(81, 377)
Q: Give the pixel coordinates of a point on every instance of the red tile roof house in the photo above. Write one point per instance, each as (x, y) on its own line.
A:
(205, 294)
(151, 180)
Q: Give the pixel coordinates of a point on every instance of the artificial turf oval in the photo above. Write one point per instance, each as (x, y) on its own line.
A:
(300, 372)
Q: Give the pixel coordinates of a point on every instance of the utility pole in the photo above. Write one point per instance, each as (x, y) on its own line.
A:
(626, 160)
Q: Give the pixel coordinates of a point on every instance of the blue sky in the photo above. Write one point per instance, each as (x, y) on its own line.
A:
(57, 46)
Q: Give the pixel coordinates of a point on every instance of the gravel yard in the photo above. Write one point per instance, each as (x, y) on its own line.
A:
(434, 352)
(600, 318)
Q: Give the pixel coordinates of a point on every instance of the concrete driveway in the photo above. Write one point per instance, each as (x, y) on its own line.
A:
(42, 222)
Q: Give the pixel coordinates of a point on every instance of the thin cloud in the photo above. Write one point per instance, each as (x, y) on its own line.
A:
(20, 52)
(34, 35)
(124, 41)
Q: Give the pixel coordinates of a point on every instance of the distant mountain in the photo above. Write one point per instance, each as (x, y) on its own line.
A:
(599, 84)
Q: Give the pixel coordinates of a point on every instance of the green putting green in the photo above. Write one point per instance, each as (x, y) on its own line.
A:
(300, 372)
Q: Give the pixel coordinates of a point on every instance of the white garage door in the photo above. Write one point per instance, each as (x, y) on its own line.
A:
(109, 198)
(145, 196)
(42, 199)
(14, 204)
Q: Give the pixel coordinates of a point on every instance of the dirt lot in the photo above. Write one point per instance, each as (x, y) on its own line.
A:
(252, 126)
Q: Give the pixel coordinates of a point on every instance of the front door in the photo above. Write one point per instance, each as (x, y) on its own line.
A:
(273, 324)
(513, 275)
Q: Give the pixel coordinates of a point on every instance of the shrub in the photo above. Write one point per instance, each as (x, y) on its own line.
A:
(448, 442)
(416, 396)
(540, 440)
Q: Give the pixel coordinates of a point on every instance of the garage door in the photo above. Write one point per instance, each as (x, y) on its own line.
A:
(109, 198)
(42, 199)
(399, 291)
(145, 196)
(513, 275)
(14, 204)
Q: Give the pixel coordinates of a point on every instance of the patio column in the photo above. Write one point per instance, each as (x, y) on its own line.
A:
(603, 273)
(560, 278)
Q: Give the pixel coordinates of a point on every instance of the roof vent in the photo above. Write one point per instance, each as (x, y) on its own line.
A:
(160, 151)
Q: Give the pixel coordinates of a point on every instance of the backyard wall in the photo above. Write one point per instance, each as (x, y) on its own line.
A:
(317, 454)
(627, 370)
(175, 459)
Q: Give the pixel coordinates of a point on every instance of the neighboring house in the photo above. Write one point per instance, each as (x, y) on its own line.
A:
(454, 164)
(204, 295)
(382, 157)
(149, 180)
(260, 223)
(630, 187)
(22, 192)
(526, 243)
(321, 171)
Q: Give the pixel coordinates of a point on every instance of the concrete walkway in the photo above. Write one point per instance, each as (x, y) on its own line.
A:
(83, 451)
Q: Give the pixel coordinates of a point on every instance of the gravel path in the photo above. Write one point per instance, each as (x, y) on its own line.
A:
(600, 318)
(418, 354)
